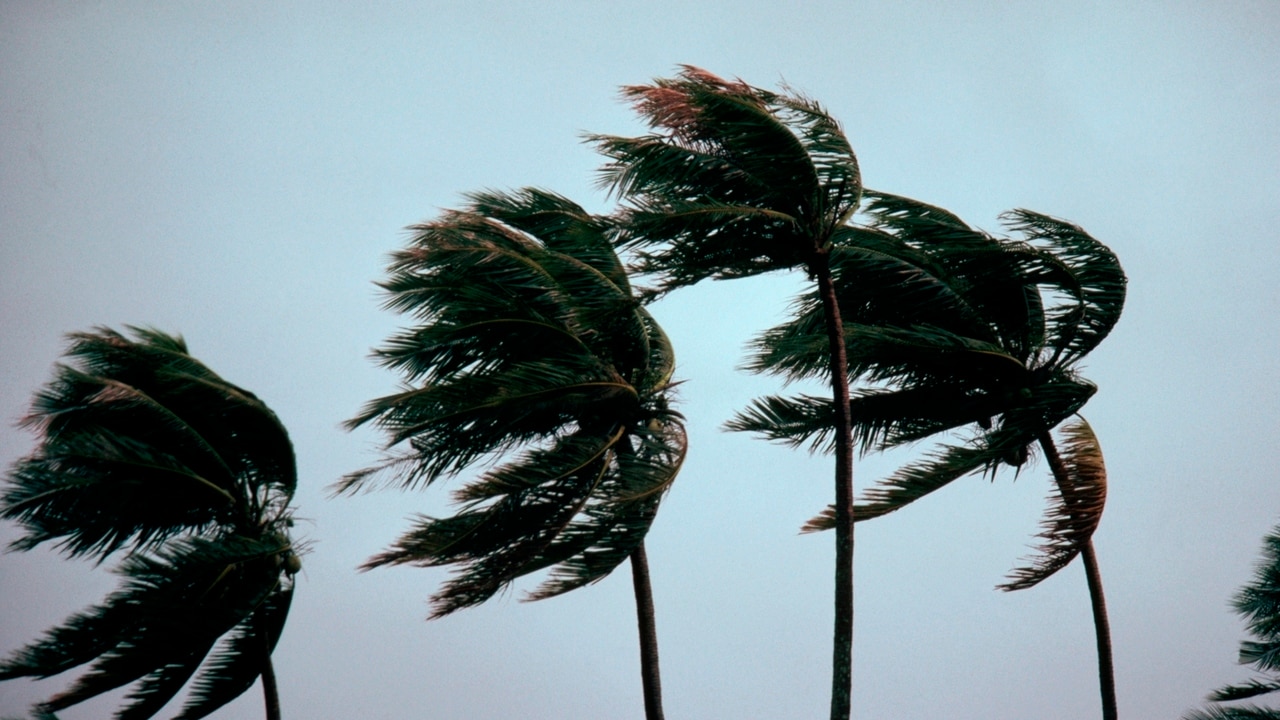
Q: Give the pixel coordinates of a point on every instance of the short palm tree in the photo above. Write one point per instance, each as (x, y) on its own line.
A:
(963, 331)
(145, 451)
(1258, 603)
(529, 351)
(736, 181)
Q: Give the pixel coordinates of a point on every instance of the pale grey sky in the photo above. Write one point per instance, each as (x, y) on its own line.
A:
(238, 171)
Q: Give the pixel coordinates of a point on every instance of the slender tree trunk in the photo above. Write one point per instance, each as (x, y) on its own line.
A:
(649, 676)
(270, 693)
(1101, 625)
(1102, 631)
(842, 648)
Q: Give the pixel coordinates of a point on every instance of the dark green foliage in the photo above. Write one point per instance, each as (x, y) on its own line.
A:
(951, 329)
(1258, 603)
(528, 350)
(736, 181)
(144, 449)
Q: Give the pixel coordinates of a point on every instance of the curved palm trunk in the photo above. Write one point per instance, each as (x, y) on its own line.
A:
(1102, 630)
(1101, 625)
(270, 693)
(842, 648)
(648, 635)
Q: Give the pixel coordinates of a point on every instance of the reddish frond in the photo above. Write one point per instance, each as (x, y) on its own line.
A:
(1075, 505)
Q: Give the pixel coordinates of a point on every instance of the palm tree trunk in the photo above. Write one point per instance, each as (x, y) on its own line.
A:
(842, 648)
(1102, 631)
(649, 676)
(1101, 625)
(270, 693)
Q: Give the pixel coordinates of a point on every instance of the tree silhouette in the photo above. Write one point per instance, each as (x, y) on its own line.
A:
(950, 328)
(529, 350)
(144, 451)
(737, 181)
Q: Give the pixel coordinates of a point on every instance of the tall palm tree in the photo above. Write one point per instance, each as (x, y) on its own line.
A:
(737, 181)
(144, 451)
(530, 349)
(963, 331)
(1258, 602)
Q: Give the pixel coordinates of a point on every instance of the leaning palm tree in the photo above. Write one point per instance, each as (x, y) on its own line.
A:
(146, 452)
(529, 351)
(1258, 603)
(737, 181)
(951, 329)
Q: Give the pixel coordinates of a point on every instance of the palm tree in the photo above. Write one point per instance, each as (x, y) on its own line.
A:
(145, 451)
(1258, 603)
(737, 181)
(951, 328)
(529, 349)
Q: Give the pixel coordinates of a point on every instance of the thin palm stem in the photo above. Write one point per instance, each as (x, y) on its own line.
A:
(1102, 631)
(270, 692)
(645, 619)
(842, 648)
(1098, 602)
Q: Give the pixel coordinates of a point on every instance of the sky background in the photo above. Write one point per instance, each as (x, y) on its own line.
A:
(239, 171)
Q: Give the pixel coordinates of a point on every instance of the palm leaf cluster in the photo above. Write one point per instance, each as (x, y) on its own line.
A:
(528, 352)
(734, 181)
(952, 330)
(144, 450)
(1258, 603)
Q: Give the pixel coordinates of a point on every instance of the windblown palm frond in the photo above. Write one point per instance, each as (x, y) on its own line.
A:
(735, 181)
(969, 332)
(529, 351)
(145, 449)
(1258, 602)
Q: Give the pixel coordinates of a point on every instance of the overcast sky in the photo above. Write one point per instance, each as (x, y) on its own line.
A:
(238, 172)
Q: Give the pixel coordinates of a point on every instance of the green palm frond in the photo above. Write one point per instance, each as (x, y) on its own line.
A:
(232, 667)
(1253, 688)
(916, 480)
(171, 609)
(1075, 507)
(737, 180)
(141, 441)
(529, 350)
(143, 448)
(1096, 283)
(1242, 712)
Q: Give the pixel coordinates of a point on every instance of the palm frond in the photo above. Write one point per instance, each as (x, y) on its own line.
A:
(738, 181)
(1097, 283)
(235, 665)
(916, 480)
(1075, 508)
(1243, 691)
(1242, 712)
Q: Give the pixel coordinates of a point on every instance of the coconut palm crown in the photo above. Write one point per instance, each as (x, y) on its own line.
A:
(146, 452)
(952, 328)
(529, 354)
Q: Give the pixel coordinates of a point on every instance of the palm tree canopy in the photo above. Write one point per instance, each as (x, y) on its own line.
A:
(950, 328)
(1258, 602)
(734, 181)
(529, 351)
(143, 448)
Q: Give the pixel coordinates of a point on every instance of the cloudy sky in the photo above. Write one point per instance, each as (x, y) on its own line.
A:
(238, 172)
